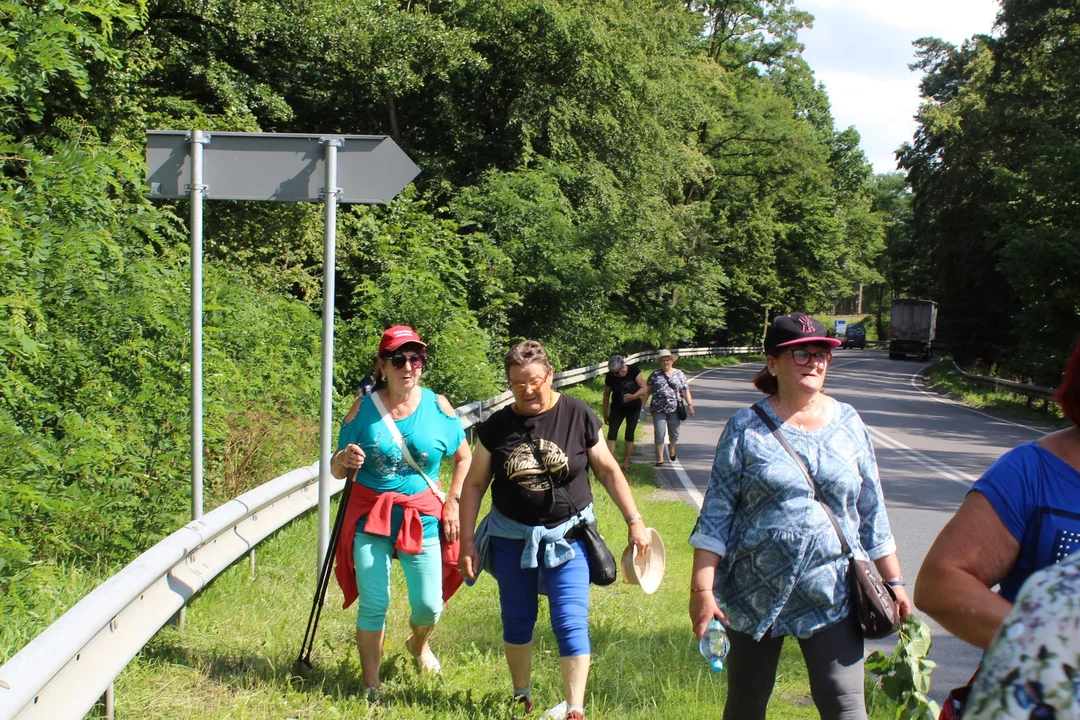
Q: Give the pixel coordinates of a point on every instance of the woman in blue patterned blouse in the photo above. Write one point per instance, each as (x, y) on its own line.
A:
(764, 549)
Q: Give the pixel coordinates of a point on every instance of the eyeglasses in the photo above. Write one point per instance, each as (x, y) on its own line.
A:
(398, 360)
(803, 357)
(534, 386)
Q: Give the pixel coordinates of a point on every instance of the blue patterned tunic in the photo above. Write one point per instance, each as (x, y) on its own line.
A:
(781, 565)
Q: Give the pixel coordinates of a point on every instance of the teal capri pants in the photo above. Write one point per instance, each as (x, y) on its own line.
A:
(423, 576)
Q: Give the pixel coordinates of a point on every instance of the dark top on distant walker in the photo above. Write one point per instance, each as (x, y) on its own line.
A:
(625, 385)
(521, 490)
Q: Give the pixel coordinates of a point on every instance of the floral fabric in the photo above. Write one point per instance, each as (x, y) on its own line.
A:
(666, 390)
(781, 565)
(1032, 669)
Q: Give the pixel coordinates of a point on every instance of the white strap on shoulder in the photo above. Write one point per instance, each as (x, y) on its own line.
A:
(396, 435)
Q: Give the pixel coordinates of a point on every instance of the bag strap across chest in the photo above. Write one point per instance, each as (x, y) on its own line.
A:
(527, 435)
(395, 434)
(769, 423)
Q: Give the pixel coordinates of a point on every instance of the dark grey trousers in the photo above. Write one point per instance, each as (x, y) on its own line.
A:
(834, 660)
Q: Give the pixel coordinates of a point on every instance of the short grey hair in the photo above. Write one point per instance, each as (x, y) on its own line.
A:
(527, 352)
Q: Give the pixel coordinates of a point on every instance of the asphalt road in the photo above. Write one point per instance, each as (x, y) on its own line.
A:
(929, 451)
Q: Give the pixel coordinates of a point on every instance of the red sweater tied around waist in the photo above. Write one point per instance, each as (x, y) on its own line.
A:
(378, 507)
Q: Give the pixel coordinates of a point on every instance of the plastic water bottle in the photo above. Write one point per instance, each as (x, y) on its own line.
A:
(714, 645)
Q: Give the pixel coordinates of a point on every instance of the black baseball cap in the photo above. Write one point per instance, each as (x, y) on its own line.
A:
(795, 329)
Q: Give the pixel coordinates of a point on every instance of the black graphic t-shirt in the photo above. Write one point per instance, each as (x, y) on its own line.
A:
(625, 385)
(521, 490)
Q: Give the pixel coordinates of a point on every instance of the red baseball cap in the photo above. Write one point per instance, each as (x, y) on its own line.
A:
(397, 336)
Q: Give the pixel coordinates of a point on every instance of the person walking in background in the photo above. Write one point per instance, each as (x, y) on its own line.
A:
(363, 389)
(624, 387)
(1019, 517)
(396, 442)
(766, 551)
(668, 388)
(539, 450)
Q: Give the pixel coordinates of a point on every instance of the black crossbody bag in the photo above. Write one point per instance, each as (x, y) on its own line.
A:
(875, 603)
(602, 567)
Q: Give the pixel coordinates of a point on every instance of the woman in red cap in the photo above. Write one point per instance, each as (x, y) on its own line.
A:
(396, 440)
(765, 549)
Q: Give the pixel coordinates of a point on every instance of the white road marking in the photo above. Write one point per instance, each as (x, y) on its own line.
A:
(948, 401)
(919, 458)
(691, 490)
(696, 497)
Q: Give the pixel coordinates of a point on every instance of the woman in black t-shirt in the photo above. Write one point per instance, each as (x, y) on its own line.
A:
(536, 455)
(624, 386)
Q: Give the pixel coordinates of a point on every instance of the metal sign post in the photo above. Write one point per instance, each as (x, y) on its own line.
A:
(197, 189)
(281, 167)
(330, 194)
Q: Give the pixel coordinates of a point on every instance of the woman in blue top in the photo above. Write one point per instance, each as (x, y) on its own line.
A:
(1022, 515)
(764, 548)
(431, 431)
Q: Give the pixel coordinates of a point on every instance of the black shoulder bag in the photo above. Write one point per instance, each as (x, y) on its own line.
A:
(875, 603)
(602, 567)
(680, 408)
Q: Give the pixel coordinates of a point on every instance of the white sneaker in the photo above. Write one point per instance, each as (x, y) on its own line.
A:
(556, 713)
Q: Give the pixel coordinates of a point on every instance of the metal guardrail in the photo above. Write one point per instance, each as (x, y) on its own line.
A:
(64, 671)
(997, 383)
(71, 664)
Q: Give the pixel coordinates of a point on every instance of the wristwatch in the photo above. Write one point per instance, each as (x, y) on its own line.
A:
(895, 582)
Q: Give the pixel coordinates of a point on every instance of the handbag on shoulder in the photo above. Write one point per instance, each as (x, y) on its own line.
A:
(875, 603)
(680, 406)
(602, 567)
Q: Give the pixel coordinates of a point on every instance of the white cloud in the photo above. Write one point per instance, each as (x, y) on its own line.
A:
(952, 20)
(881, 110)
(860, 50)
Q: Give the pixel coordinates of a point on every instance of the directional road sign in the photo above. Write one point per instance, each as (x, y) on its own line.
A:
(277, 166)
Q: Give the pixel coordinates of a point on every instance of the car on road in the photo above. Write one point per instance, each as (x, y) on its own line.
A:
(855, 337)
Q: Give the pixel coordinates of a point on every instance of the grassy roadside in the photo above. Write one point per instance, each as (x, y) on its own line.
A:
(235, 656)
(942, 376)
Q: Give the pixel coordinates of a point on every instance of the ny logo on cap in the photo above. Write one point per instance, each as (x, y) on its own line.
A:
(806, 323)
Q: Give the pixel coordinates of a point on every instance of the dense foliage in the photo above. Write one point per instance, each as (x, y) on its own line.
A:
(601, 175)
(995, 169)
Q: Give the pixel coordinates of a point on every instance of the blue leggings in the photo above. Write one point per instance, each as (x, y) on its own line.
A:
(568, 595)
(423, 577)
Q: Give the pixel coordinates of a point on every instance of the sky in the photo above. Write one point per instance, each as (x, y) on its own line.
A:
(860, 50)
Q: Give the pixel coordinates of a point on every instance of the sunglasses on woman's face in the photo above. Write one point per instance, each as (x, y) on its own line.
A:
(398, 360)
(803, 357)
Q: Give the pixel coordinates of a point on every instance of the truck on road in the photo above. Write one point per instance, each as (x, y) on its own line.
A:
(913, 328)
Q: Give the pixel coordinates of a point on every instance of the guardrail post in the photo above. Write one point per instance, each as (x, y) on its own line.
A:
(251, 557)
(110, 702)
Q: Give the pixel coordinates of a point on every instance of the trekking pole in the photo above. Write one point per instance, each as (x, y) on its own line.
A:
(324, 574)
